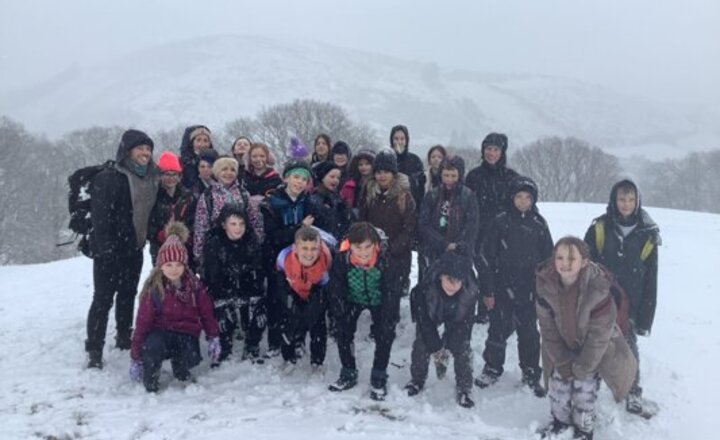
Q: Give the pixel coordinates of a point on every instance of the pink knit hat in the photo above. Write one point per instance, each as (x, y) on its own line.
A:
(173, 248)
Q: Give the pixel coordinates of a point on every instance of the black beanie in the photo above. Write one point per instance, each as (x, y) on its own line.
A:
(455, 265)
(497, 139)
(522, 183)
(340, 147)
(321, 169)
(131, 139)
(386, 160)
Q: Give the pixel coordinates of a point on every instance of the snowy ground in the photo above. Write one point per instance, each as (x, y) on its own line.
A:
(45, 391)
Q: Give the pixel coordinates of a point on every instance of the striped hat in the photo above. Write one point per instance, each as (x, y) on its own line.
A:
(173, 248)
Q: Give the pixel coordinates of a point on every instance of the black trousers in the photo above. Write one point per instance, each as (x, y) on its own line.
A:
(182, 349)
(298, 326)
(510, 316)
(632, 341)
(457, 340)
(274, 314)
(113, 275)
(231, 315)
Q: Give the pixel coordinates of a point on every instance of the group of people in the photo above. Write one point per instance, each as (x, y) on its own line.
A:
(244, 249)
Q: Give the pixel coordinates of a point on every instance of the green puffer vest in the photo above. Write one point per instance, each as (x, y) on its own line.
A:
(364, 286)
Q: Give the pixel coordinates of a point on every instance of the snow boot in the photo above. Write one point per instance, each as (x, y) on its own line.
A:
(252, 354)
(123, 341)
(463, 399)
(531, 378)
(489, 377)
(347, 380)
(378, 393)
(272, 352)
(378, 384)
(413, 388)
(636, 404)
(95, 359)
(556, 427)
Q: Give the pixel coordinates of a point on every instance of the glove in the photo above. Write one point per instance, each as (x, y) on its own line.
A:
(136, 371)
(441, 358)
(214, 349)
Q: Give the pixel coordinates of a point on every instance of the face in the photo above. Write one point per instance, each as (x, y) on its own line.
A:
(436, 158)
(626, 202)
(399, 141)
(241, 147)
(295, 184)
(173, 270)
(522, 201)
(205, 170)
(568, 263)
(321, 147)
(258, 159)
(492, 154)
(384, 178)
(332, 180)
(141, 154)
(234, 227)
(169, 180)
(362, 251)
(364, 167)
(227, 176)
(450, 285)
(201, 141)
(340, 159)
(307, 252)
(450, 178)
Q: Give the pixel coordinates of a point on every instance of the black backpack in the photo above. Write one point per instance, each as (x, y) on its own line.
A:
(80, 183)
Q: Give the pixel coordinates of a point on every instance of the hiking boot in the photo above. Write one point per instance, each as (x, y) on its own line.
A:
(553, 428)
(378, 393)
(533, 382)
(252, 354)
(272, 352)
(95, 359)
(463, 399)
(636, 404)
(489, 377)
(347, 380)
(123, 342)
(413, 388)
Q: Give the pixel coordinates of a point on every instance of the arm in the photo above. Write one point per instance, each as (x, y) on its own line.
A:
(487, 258)
(648, 302)
(202, 224)
(469, 228)
(409, 221)
(600, 330)
(103, 212)
(143, 324)
(429, 236)
(207, 316)
(553, 344)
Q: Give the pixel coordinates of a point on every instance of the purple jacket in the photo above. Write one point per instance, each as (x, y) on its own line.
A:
(172, 312)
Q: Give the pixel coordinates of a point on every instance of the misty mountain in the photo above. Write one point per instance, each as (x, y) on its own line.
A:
(213, 80)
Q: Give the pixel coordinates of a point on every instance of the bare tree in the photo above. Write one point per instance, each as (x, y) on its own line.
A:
(471, 155)
(568, 170)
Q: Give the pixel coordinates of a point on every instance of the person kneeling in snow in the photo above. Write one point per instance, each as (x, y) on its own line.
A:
(448, 295)
(581, 340)
(174, 308)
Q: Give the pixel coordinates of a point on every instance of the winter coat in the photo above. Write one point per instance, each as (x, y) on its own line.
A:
(432, 180)
(178, 207)
(283, 217)
(233, 268)
(515, 243)
(264, 184)
(333, 214)
(394, 212)
(459, 212)
(171, 313)
(209, 207)
(350, 192)
(410, 165)
(599, 346)
(491, 187)
(189, 158)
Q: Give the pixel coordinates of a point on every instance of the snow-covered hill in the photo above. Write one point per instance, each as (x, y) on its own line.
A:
(46, 392)
(216, 79)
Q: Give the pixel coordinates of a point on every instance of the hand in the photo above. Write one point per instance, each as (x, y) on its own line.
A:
(565, 371)
(452, 246)
(308, 221)
(489, 302)
(214, 349)
(136, 371)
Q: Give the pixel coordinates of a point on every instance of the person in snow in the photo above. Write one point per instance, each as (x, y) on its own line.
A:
(435, 156)
(581, 340)
(359, 281)
(174, 308)
(625, 240)
(121, 200)
(447, 296)
(333, 214)
(516, 241)
(388, 204)
(206, 159)
(408, 163)
(302, 273)
(195, 139)
(321, 148)
(226, 189)
(239, 150)
(235, 277)
(260, 179)
(174, 203)
(448, 216)
(340, 155)
(360, 171)
(286, 210)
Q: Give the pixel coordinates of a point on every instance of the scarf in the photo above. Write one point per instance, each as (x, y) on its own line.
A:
(301, 278)
(143, 193)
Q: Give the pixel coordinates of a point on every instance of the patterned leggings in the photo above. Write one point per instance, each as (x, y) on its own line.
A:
(572, 401)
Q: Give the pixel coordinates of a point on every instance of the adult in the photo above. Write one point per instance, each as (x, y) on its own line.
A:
(408, 163)
(321, 149)
(195, 139)
(121, 200)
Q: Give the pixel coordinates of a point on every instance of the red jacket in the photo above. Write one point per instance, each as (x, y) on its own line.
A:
(172, 313)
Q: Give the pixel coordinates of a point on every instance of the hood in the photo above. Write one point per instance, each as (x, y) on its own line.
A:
(186, 149)
(454, 162)
(522, 183)
(129, 140)
(612, 210)
(404, 129)
(499, 140)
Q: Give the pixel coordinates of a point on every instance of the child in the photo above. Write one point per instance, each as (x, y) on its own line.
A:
(174, 202)
(196, 138)
(302, 273)
(334, 215)
(260, 179)
(174, 308)
(360, 171)
(447, 296)
(340, 155)
(581, 339)
(206, 159)
(516, 242)
(321, 148)
(235, 277)
(359, 281)
(625, 240)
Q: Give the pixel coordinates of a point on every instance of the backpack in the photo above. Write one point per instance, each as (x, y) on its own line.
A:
(600, 241)
(80, 183)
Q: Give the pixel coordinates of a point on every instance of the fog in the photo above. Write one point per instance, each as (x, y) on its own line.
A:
(666, 50)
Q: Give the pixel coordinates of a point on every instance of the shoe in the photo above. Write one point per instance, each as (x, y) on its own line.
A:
(413, 388)
(345, 382)
(464, 400)
(553, 428)
(317, 369)
(272, 352)
(95, 360)
(300, 350)
(534, 385)
(582, 435)
(252, 354)
(489, 377)
(636, 404)
(378, 393)
(123, 342)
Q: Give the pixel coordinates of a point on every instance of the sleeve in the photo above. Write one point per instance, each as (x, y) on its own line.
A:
(546, 244)
(201, 226)
(488, 259)
(409, 222)
(591, 242)
(648, 302)
(472, 221)
(103, 212)
(553, 344)
(207, 315)
(597, 339)
(429, 237)
(428, 330)
(143, 324)
(211, 268)
(256, 219)
(155, 224)
(337, 289)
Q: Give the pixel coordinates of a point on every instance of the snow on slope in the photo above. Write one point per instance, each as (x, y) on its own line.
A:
(45, 392)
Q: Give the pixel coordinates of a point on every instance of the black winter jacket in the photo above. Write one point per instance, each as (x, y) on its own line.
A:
(333, 214)
(462, 217)
(283, 217)
(178, 207)
(189, 159)
(233, 269)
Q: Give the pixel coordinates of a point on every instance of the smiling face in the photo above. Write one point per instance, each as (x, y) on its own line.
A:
(626, 202)
(169, 180)
(200, 142)
(258, 160)
(227, 175)
(363, 252)
(321, 147)
(492, 154)
(384, 179)
(365, 167)
(450, 285)
(523, 201)
(295, 184)
(241, 147)
(332, 179)
(340, 159)
(568, 263)
(234, 227)
(307, 252)
(173, 270)
(141, 154)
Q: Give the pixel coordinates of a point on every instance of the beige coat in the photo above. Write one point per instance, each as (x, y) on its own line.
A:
(603, 348)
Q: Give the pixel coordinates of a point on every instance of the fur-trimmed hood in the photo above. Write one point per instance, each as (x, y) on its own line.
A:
(400, 184)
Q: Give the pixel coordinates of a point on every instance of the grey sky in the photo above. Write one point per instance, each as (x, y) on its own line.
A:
(669, 49)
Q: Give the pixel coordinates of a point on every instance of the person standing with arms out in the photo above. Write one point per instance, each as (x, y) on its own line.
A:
(121, 200)
(625, 240)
